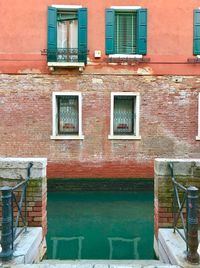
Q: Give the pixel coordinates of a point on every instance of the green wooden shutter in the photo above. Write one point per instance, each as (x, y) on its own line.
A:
(196, 41)
(82, 35)
(52, 34)
(110, 31)
(142, 31)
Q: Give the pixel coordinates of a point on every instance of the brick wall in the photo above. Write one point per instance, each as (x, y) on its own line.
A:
(10, 175)
(186, 172)
(168, 123)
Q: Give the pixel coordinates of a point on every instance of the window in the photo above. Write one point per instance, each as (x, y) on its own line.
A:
(124, 123)
(67, 34)
(67, 123)
(196, 41)
(126, 31)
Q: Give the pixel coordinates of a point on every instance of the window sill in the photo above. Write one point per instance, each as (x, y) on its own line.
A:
(126, 56)
(70, 137)
(79, 65)
(123, 137)
(197, 138)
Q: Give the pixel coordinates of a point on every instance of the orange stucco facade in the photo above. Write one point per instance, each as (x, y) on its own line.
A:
(169, 38)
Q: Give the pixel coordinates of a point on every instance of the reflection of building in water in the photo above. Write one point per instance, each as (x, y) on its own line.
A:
(117, 240)
(67, 239)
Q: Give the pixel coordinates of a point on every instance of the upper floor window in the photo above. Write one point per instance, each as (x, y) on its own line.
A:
(67, 34)
(126, 31)
(196, 42)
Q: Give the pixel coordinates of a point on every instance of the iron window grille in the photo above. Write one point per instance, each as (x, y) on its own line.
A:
(68, 115)
(124, 115)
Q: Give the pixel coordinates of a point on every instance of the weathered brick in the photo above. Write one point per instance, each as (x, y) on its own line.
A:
(30, 100)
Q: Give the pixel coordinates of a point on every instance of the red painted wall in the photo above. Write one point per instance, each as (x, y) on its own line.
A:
(170, 34)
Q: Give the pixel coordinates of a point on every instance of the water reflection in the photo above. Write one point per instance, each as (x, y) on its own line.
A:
(114, 243)
(66, 239)
(100, 225)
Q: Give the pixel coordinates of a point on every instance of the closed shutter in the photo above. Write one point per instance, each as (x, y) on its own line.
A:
(110, 31)
(196, 42)
(142, 31)
(52, 34)
(125, 32)
(82, 35)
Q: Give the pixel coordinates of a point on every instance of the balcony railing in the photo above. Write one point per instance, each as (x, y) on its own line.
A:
(71, 55)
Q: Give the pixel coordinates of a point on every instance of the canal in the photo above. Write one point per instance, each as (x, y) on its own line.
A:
(102, 224)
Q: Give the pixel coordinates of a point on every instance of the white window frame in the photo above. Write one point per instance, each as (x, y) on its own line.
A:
(126, 7)
(198, 134)
(137, 109)
(69, 7)
(55, 135)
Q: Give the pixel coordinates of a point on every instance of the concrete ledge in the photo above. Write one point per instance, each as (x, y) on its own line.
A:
(66, 64)
(182, 167)
(14, 168)
(27, 247)
(172, 249)
(99, 264)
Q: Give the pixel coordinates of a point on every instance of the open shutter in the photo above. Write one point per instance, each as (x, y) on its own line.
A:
(82, 35)
(52, 34)
(196, 42)
(142, 31)
(110, 31)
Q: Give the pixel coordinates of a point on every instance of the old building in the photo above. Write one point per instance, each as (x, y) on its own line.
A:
(100, 88)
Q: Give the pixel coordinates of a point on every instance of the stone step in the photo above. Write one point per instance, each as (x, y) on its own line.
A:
(97, 264)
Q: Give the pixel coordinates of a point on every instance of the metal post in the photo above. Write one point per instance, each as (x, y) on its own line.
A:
(6, 234)
(192, 223)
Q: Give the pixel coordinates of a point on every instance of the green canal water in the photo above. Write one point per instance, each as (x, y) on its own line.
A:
(100, 225)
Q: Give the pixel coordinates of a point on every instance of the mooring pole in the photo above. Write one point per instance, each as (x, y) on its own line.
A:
(6, 234)
(192, 225)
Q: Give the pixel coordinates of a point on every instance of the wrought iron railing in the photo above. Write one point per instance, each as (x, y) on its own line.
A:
(66, 55)
(12, 200)
(185, 215)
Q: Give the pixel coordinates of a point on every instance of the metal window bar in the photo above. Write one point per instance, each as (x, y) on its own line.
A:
(124, 115)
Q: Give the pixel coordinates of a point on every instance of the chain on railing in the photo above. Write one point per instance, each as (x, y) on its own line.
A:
(188, 202)
(10, 230)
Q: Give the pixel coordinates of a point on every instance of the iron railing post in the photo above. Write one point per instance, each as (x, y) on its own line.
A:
(6, 234)
(192, 224)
